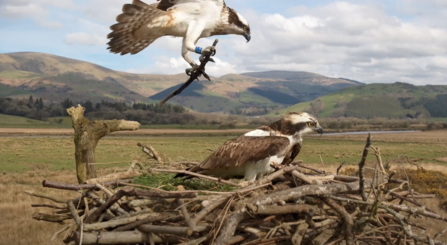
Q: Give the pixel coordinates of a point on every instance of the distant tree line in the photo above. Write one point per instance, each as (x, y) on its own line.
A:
(36, 108)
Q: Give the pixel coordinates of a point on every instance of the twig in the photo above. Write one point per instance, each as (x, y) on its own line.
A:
(149, 150)
(116, 209)
(63, 186)
(439, 234)
(348, 224)
(149, 219)
(185, 213)
(406, 199)
(73, 212)
(313, 169)
(103, 188)
(379, 159)
(339, 167)
(406, 175)
(361, 165)
(223, 216)
(48, 206)
(41, 195)
(174, 230)
(195, 75)
(218, 180)
(322, 162)
(134, 222)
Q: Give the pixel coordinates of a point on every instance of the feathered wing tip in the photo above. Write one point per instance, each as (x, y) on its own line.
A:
(122, 36)
(187, 176)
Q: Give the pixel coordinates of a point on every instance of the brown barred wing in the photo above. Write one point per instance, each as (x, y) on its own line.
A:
(244, 149)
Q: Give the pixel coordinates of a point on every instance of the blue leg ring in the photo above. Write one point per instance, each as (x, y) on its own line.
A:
(198, 50)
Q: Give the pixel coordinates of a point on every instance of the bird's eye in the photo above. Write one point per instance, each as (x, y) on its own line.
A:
(245, 28)
(311, 124)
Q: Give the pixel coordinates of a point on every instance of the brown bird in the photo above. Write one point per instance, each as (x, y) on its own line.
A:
(252, 155)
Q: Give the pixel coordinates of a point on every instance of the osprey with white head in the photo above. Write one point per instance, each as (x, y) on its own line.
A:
(141, 24)
(252, 155)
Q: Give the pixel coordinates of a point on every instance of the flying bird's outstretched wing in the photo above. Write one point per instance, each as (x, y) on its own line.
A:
(125, 36)
(166, 4)
(239, 151)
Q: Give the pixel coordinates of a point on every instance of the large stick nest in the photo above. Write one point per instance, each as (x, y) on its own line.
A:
(294, 205)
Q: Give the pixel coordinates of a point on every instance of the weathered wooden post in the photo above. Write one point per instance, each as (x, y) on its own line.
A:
(86, 137)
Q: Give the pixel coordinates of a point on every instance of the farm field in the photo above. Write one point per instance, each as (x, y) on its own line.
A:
(27, 160)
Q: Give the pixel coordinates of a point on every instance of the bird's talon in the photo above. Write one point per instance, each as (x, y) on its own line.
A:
(194, 68)
(211, 50)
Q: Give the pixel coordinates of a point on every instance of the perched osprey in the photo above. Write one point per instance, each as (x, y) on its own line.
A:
(140, 24)
(252, 154)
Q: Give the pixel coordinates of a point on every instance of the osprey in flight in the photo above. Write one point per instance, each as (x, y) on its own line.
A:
(141, 24)
(252, 154)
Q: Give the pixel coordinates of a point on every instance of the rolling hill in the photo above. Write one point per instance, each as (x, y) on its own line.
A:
(397, 100)
(258, 90)
(56, 78)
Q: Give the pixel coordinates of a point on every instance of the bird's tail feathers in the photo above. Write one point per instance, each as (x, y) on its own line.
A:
(123, 40)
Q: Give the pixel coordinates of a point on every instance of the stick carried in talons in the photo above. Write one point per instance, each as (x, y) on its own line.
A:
(193, 74)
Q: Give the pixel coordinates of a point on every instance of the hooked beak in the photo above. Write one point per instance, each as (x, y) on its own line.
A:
(247, 36)
(319, 130)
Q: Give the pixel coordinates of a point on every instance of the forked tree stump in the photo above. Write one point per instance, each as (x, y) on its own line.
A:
(86, 137)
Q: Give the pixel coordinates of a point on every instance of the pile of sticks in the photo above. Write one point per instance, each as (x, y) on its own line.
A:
(294, 205)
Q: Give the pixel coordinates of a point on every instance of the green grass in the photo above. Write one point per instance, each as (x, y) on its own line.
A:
(16, 74)
(56, 153)
(167, 182)
(6, 91)
(19, 154)
(8, 121)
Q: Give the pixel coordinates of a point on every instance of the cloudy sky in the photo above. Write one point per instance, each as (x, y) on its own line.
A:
(366, 40)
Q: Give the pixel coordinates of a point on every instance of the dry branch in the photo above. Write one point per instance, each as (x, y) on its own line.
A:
(361, 166)
(149, 150)
(41, 195)
(63, 186)
(86, 137)
(124, 237)
(113, 177)
(218, 180)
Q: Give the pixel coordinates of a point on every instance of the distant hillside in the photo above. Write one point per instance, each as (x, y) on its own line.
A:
(56, 78)
(301, 77)
(397, 100)
(32, 71)
(255, 91)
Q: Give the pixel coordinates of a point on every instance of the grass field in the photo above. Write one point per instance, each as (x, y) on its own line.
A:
(26, 161)
(20, 154)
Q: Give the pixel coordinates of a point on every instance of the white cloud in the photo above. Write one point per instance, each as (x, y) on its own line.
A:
(24, 10)
(106, 10)
(355, 41)
(83, 38)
